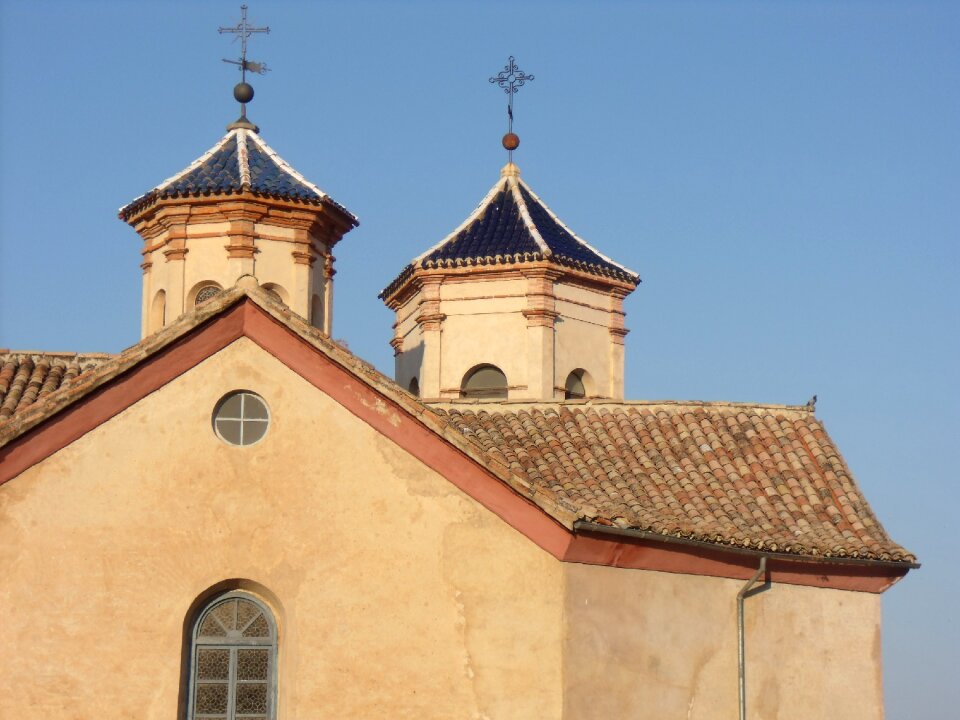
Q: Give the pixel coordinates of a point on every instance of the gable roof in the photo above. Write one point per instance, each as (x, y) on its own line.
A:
(512, 225)
(240, 161)
(762, 479)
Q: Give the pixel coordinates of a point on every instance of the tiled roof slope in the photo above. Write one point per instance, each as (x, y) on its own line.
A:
(513, 225)
(764, 478)
(26, 377)
(240, 161)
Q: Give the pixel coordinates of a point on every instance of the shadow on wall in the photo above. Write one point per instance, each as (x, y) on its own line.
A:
(410, 369)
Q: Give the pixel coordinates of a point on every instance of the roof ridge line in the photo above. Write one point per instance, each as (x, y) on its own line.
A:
(470, 218)
(572, 233)
(243, 159)
(525, 214)
(262, 144)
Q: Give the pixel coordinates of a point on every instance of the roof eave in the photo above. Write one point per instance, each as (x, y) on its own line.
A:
(603, 529)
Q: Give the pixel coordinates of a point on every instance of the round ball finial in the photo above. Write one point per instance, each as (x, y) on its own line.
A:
(243, 92)
(511, 141)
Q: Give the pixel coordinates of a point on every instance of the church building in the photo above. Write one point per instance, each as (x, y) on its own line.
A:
(236, 517)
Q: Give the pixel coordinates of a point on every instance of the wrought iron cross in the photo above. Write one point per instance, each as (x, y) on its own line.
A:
(511, 79)
(244, 31)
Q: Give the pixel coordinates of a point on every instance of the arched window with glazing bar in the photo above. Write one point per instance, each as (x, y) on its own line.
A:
(233, 660)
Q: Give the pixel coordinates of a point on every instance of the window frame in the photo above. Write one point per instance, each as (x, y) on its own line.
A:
(242, 419)
(233, 645)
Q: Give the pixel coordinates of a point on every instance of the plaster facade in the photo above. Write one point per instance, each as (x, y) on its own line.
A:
(396, 594)
(536, 324)
(661, 645)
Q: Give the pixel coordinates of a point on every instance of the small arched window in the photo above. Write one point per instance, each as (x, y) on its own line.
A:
(206, 292)
(414, 387)
(233, 660)
(484, 381)
(575, 388)
(276, 292)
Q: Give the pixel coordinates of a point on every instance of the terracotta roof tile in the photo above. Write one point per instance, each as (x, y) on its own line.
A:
(767, 478)
(26, 377)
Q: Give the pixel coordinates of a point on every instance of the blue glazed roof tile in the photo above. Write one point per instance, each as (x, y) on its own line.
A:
(513, 225)
(240, 162)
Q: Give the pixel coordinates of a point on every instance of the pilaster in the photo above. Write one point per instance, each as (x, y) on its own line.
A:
(541, 316)
(618, 332)
(430, 319)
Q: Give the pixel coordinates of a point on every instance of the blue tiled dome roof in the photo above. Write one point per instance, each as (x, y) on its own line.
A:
(240, 162)
(513, 225)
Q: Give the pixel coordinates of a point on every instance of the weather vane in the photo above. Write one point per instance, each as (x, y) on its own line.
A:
(511, 79)
(243, 92)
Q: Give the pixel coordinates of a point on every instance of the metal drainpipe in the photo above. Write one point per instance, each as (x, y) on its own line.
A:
(740, 635)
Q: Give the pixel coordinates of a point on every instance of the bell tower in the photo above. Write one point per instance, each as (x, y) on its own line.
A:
(239, 209)
(512, 304)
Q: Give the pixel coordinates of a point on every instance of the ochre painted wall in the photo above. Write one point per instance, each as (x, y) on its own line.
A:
(661, 646)
(397, 595)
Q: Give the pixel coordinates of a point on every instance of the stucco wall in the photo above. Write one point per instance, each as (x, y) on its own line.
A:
(399, 597)
(484, 322)
(656, 645)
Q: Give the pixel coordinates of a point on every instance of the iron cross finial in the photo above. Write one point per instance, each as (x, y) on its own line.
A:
(244, 31)
(511, 79)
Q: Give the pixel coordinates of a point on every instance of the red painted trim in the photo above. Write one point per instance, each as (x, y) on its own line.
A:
(395, 423)
(119, 393)
(640, 553)
(403, 428)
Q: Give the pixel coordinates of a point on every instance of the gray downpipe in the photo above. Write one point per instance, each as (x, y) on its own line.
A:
(742, 662)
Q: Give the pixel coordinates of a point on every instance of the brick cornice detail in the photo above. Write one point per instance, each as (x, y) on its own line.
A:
(303, 258)
(430, 321)
(540, 317)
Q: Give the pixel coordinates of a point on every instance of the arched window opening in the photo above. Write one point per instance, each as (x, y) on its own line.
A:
(233, 660)
(414, 387)
(158, 311)
(276, 292)
(575, 389)
(204, 292)
(484, 381)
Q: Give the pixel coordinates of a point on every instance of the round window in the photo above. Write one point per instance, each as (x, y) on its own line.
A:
(241, 418)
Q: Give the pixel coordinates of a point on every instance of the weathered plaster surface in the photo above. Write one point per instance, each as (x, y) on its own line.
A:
(397, 596)
(647, 644)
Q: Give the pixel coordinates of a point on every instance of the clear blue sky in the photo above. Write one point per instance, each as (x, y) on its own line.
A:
(784, 176)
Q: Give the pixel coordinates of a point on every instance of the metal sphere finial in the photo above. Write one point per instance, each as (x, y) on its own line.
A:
(511, 141)
(243, 92)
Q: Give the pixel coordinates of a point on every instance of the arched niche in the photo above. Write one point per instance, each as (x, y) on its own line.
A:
(158, 311)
